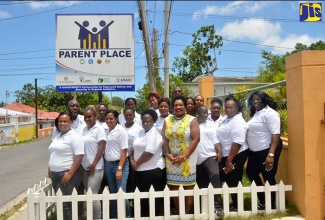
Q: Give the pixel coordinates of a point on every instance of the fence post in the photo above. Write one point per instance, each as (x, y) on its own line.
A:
(106, 202)
(137, 204)
(211, 201)
(75, 200)
(59, 205)
(166, 203)
(120, 204)
(42, 205)
(196, 192)
(181, 202)
(152, 203)
(240, 198)
(282, 205)
(90, 204)
(267, 198)
(225, 196)
(30, 202)
(254, 197)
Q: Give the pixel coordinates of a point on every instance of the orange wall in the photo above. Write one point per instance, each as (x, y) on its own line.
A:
(206, 88)
(305, 72)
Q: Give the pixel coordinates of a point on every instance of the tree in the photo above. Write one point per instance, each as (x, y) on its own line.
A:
(142, 94)
(2, 104)
(200, 58)
(49, 99)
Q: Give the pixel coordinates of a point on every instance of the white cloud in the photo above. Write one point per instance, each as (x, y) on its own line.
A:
(254, 29)
(4, 14)
(264, 33)
(49, 4)
(232, 8)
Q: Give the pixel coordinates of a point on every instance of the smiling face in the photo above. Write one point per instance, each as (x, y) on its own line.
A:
(190, 107)
(153, 102)
(101, 112)
(147, 122)
(257, 103)
(177, 91)
(163, 109)
(179, 108)
(202, 114)
(74, 108)
(64, 123)
(90, 118)
(129, 116)
(215, 110)
(111, 121)
(231, 108)
(199, 100)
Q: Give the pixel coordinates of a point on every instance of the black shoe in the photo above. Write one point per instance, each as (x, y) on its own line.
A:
(219, 214)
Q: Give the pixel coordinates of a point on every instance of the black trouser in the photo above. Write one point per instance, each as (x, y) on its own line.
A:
(234, 177)
(255, 166)
(208, 172)
(67, 189)
(130, 185)
(144, 180)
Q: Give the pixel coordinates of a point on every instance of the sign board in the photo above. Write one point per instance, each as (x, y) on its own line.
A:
(94, 52)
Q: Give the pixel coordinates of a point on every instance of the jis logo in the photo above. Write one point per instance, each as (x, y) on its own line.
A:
(310, 12)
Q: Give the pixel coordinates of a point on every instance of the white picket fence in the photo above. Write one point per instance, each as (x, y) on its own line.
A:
(42, 201)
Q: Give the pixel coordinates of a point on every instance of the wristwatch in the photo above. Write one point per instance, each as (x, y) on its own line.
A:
(271, 155)
(119, 167)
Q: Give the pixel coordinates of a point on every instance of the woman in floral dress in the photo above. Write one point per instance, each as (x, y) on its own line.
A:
(181, 135)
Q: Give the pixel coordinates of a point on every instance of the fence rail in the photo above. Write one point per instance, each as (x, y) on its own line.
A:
(42, 201)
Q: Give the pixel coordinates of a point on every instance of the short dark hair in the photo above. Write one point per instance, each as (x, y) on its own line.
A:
(153, 94)
(128, 108)
(231, 97)
(115, 113)
(102, 103)
(130, 98)
(216, 99)
(150, 112)
(164, 99)
(191, 99)
(179, 97)
(198, 107)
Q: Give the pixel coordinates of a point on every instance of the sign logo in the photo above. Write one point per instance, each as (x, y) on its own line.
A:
(94, 39)
(310, 12)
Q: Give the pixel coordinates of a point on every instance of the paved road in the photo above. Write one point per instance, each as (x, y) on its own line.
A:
(22, 166)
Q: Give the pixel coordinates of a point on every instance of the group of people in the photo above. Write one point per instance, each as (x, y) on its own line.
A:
(178, 142)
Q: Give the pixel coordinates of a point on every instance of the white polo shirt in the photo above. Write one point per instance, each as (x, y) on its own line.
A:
(217, 122)
(91, 138)
(208, 138)
(103, 124)
(137, 119)
(76, 125)
(160, 122)
(261, 126)
(150, 142)
(116, 141)
(63, 150)
(133, 133)
(232, 130)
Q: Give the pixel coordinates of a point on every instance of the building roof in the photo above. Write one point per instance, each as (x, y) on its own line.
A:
(4, 112)
(20, 107)
(227, 79)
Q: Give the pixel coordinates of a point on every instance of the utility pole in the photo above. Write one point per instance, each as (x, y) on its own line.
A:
(146, 44)
(36, 103)
(166, 51)
(155, 54)
(7, 95)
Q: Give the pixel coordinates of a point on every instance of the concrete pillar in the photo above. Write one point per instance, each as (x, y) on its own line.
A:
(305, 103)
(206, 88)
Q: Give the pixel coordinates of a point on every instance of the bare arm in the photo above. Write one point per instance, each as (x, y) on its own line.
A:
(218, 148)
(195, 136)
(121, 164)
(233, 152)
(142, 159)
(99, 155)
(274, 145)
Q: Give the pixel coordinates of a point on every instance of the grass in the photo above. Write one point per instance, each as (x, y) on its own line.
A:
(13, 210)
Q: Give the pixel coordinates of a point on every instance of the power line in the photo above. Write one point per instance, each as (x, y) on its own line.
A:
(25, 74)
(27, 58)
(30, 51)
(42, 12)
(36, 68)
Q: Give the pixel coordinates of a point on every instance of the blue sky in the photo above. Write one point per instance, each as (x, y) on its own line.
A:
(27, 39)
